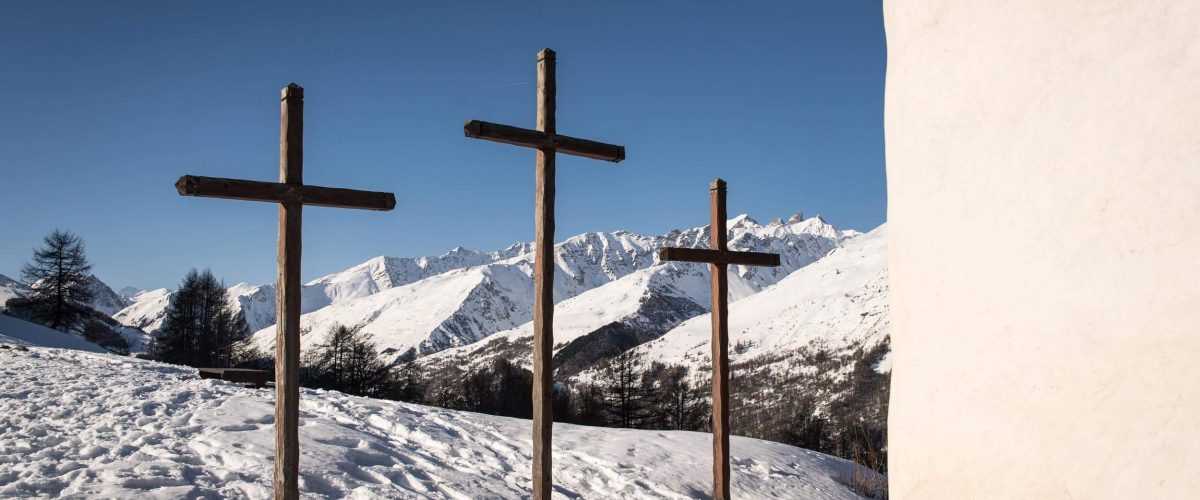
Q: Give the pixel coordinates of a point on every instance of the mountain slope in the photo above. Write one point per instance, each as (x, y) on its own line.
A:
(115, 427)
(838, 303)
(425, 317)
(9, 289)
(381, 273)
(104, 299)
(21, 332)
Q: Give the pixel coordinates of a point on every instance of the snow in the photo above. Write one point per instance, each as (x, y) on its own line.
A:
(104, 299)
(465, 305)
(835, 303)
(148, 310)
(21, 332)
(98, 425)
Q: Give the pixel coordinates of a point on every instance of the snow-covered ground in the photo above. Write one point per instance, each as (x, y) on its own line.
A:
(837, 303)
(75, 423)
(20, 332)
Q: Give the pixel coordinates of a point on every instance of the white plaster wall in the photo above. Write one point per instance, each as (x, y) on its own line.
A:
(1043, 162)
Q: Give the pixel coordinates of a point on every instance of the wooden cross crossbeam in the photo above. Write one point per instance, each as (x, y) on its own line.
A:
(706, 256)
(517, 136)
(278, 192)
(720, 257)
(546, 141)
(291, 194)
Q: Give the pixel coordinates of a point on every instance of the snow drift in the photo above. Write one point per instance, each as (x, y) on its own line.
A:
(98, 425)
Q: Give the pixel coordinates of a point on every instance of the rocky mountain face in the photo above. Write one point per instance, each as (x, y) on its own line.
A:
(258, 301)
(104, 299)
(105, 302)
(837, 305)
(612, 294)
(10, 288)
(465, 305)
(809, 355)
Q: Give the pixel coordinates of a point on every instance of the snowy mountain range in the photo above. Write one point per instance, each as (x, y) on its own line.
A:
(10, 288)
(417, 306)
(104, 299)
(464, 305)
(836, 306)
(258, 301)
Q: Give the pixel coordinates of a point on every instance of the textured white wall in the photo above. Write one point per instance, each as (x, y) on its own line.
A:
(1043, 162)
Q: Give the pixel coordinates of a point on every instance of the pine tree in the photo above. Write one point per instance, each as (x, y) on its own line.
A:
(201, 327)
(58, 281)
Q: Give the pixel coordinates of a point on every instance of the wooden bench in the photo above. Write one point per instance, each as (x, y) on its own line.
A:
(252, 378)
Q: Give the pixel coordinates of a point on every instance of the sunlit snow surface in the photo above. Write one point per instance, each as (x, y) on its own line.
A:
(74, 423)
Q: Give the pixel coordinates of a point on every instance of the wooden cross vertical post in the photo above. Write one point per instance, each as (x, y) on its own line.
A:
(547, 142)
(720, 257)
(291, 194)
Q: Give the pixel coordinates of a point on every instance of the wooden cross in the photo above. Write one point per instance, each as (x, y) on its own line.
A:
(720, 257)
(291, 194)
(547, 142)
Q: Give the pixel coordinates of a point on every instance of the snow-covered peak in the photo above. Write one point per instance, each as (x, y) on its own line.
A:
(104, 299)
(243, 288)
(416, 317)
(838, 301)
(743, 220)
(129, 292)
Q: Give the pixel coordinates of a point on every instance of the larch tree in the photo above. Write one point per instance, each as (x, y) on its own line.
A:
(58, 281)
(349, 362)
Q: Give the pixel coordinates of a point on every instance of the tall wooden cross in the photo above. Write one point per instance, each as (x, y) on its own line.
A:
(547, 142)
(720, 257)
(291, 194)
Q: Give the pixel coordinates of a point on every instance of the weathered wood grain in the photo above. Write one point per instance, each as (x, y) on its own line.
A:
(707, 256)
(291, 194)
(287, 300)
(517, 136)
(720, 345)
(543, 285)
(547, 143)
(278, 192)
(719, 257)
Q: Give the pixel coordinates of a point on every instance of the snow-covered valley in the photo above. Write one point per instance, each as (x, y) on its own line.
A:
(98, 425)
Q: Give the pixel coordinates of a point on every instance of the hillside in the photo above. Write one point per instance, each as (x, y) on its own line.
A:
(463, 306)
(118, 427)
(20, 332)
(839, 303)
(10, 288)
(147, 309)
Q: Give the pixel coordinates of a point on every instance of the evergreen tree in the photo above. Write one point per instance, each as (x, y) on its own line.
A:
(58, 281)
(201, 327)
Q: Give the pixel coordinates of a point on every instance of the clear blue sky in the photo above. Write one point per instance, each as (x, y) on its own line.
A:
(105, 104)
